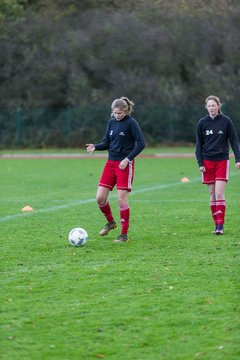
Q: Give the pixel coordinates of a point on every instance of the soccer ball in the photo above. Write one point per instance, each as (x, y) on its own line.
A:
(78, 237)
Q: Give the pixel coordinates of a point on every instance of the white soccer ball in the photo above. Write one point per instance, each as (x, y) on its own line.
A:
(78, 237)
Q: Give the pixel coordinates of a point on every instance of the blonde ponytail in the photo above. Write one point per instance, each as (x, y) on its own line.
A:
(123, 104)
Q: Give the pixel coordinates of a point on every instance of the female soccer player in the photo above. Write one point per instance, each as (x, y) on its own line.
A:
(124, 140)
(214, 132)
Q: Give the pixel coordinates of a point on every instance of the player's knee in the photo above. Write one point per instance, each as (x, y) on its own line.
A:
(101, 200)
(122, 203)
(212, 196)
(220, 196)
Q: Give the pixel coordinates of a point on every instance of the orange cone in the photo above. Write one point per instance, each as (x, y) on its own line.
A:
(185, 179)
(27, 208)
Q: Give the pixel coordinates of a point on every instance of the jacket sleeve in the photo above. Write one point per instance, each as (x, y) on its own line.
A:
(199, 145)
(139, 140)
(233, 139)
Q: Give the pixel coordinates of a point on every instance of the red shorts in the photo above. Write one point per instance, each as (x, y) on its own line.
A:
(112, 176)
(215, 170)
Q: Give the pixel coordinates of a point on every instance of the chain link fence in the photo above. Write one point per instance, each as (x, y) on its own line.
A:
(74, 126)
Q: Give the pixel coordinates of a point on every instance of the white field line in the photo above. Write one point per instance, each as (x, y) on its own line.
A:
(87, 201)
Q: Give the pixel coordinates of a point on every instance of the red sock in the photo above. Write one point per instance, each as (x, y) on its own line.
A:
(124, 216)
(106, 210)
(213, 210)
(220, 210)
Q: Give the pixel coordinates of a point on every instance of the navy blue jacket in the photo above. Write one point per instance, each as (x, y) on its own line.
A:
(213, 137)
(123, 139)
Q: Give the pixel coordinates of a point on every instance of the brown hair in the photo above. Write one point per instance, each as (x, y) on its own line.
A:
(124, 104)
(214, 98)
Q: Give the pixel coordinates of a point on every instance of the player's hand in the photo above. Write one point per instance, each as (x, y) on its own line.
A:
(237, 165)
(202, 168)
(90, 148)
(123, 164)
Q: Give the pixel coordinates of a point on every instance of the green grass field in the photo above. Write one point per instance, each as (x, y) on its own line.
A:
(171, 293)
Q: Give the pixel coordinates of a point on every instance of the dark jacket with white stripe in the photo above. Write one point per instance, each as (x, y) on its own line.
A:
(213, 137)
(123, 139)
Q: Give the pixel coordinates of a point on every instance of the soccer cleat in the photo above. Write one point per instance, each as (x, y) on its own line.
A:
(219, 230)
(121, 238)
(107, 228)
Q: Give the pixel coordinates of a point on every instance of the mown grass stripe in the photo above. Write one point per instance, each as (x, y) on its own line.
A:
(87, 201)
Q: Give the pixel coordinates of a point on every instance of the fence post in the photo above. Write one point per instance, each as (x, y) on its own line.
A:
(18, 126)
(69, 123)
(171, 123)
